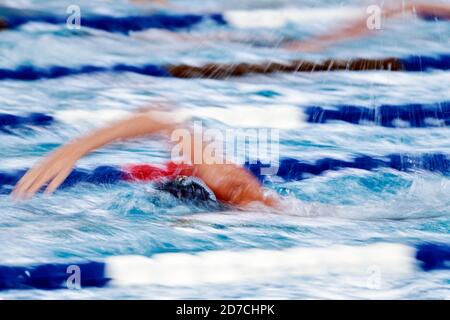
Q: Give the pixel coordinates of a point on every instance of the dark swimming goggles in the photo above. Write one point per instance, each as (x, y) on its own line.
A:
(189, 189)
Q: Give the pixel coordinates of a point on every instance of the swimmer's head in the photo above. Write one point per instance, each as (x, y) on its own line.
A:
(190, 189)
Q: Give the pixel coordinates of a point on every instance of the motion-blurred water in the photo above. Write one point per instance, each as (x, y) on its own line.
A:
(351, 207)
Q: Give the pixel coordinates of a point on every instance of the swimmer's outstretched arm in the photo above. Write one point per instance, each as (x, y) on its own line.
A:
(55, 168)
(230, 183)
(359, 28)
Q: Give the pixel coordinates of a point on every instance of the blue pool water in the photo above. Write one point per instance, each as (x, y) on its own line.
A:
(348, 207)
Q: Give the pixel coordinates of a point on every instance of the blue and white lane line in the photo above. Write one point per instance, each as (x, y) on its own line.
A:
(287, 169)
(290, 169)
(241, 19)
(270, 18)
(409, 115)
(288, 117)
(32, 73)
(118, 24)
(11, 121)
(218, 267)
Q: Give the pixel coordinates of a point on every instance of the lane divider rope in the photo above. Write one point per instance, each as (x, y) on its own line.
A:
(219, 71)
(288, 169)
(216, 267)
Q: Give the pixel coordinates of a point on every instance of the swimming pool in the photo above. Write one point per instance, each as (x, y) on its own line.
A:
(349, 206)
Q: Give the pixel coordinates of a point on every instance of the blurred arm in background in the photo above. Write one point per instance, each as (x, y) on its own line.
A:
(355, 29)
(360, 28)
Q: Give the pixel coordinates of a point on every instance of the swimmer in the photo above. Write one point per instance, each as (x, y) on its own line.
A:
(359, 28)
(230, 183)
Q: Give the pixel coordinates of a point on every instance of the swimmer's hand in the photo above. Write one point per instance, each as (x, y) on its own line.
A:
(55, 168)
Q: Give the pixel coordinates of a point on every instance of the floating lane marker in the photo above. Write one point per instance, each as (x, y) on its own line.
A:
(31, 73)
(293, 169)
(239, 19)
(117, 24)
(246, 116)
(9, 121)
(288, 169)
(278, 18)
(272, 19)
(219, 267)
(219, 71)
(235, 115)
(409, 115)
